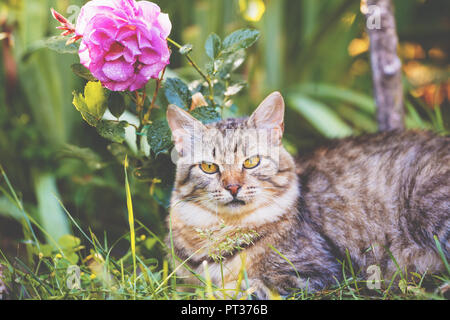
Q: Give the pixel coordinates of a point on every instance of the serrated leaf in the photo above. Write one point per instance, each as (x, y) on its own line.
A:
(58, 44)
(206, 114)
(159, 136)
(235, 88)
(112, 130)
(95, 96)
(82, 72)
(219, 93)
(185, 49)
(116, 104)
(93, 104)
(226, 64)
(240, 39)
(177, 93)
(80, 104)
(213, 45)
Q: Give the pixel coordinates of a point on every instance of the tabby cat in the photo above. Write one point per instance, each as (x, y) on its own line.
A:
(376, 195)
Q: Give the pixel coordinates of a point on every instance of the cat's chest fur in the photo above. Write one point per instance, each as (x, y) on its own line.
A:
(200, 235)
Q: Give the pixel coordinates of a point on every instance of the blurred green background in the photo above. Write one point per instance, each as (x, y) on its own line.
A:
(314, 51)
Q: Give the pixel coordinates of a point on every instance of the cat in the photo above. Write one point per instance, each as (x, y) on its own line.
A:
(367, 197)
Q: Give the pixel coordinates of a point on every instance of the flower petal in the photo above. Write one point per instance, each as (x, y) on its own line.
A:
(118, 70)
(131, 43)
(165, 24)
(90, 10)
(149, 56)
(138, 82)
(152, 71)
(149, 10)
(115, 51)
(83, 53)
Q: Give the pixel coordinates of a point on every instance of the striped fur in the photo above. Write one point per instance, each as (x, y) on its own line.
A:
(372, 195)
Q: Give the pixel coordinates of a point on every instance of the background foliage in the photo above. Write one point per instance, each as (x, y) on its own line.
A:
(314, 52)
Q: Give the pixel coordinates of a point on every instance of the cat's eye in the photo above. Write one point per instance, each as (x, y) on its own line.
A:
(209, 167)
(252, 162)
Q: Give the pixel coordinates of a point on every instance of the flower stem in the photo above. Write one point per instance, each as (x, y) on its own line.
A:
(155, 94)
(196, 67)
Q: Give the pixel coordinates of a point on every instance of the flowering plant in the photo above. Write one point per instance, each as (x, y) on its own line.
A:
(122, 45)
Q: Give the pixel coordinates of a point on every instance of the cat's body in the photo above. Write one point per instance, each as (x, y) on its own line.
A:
(373, 195)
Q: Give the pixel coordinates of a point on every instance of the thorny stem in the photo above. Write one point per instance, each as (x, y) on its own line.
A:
(155, 94)
(140, 101)
(196, 67)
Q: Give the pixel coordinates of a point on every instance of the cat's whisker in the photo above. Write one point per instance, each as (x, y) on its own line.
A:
(271, 200)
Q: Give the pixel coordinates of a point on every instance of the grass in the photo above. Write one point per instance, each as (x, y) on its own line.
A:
(46, 272)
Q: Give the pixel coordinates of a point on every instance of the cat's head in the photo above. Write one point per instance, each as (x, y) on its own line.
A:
(232, 166)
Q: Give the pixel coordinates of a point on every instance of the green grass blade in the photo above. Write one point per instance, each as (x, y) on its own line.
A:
(130, 221)
(441, 253)
(333, 92)
(323, 118)
(51, 216)
(20, 206)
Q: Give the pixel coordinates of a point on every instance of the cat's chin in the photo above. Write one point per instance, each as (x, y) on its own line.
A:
(236, 207)
(235, 203)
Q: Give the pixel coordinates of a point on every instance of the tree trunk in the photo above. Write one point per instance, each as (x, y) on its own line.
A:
(386, 65)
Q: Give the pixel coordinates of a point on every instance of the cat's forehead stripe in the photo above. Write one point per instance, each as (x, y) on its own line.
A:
(229, 124)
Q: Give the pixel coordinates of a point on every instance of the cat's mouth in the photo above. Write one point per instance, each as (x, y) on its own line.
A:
(235, 203)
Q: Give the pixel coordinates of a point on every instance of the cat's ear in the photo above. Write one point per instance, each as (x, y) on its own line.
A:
(184, 127)
(270, 115)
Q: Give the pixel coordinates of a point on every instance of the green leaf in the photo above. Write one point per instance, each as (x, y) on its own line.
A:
(89, 157)
(46, 250)
(226, 64)
(80, 104)
(159, 136)
(82, 72)
(177, 93)
(112, 130)
(68, 241)
(8, 208)
(58, 44)
(150, 243)
(116, 104)
(213, 46)
(93, 104)
(72, 257)
(119, 151)
(206, 114)
(320, 116)
(333, 92)
(50, 214)
(95, 96)
(240, 39)
(185, 49)
(235, 88)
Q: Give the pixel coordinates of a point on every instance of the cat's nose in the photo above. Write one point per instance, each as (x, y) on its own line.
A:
(233, 188)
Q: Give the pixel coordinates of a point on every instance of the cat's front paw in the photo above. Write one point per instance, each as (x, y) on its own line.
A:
(258, 290)
(255, 289)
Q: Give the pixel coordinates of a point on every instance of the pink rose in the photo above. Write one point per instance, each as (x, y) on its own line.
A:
(124, 42)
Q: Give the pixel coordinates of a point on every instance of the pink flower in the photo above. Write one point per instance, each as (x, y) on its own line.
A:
(124, 42)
